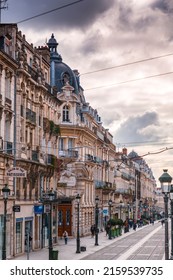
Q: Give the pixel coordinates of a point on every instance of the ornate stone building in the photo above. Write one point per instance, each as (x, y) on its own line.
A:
(8, 68)
(48, 129)
(85, 146)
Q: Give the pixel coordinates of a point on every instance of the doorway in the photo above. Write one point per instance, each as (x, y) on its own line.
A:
(64, 219)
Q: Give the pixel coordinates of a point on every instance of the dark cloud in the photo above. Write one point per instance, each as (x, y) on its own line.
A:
(80, 15)
(125, 14)
(91, 43)
(138, 128)
(128, 20)
(165, 6)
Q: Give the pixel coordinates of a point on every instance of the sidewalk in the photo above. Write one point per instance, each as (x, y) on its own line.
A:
(68, 252)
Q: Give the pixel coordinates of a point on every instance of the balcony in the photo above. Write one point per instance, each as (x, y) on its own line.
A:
(106, 187)
(50, 159)
(49, 88)
(33, 73)
(70, 153)
(125, 176)
(89, 157)
(30, 116)
(8, 101)
(99, 184)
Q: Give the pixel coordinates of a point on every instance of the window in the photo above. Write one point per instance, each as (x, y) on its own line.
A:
(46, 77)
(60, 217)
(66, 114)
(68, 217)
(70, 147)
(65, 78)
(30, 61)
(61, 144)
(8, 86)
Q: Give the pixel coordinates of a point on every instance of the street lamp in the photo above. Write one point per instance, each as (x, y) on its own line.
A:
(78, 250)
(136, 196)
(110, 206)
(128, 210)
(6, 192)
(51, 196)
(121, 206)
(165, 181)
(171, 199)
(96, 220)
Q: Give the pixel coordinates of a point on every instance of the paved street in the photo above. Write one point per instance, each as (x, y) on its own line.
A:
(146, 243)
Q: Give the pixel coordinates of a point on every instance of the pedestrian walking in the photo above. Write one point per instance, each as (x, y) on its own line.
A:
(65, 235)
(162, 222)
(126, 226)
(92, 230)
(108, 227)
(134, 225)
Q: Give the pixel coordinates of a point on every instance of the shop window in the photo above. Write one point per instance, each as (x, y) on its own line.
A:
(18, 237)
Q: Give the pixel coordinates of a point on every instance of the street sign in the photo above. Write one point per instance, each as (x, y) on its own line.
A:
(105, 212)
(16, 208)
(46, 208)
(16, 172)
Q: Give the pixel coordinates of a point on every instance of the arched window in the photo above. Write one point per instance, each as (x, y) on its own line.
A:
(66, 114)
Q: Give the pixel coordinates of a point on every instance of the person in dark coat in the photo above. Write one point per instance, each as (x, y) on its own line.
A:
(65, 235)
(108, 228)
(134, 225)
(92, 230)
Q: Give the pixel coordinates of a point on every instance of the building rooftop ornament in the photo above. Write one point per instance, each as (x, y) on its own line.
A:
(61, 73)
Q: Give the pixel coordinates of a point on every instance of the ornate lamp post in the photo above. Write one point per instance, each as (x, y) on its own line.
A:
(110, 206)
(6, 192)
(78, 250)
(128, 210)
(96, 220)
(165, 181)
(121, 206)
(51, 196)
(171, 199)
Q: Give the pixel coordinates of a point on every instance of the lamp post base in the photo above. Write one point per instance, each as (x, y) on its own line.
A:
(78, 250)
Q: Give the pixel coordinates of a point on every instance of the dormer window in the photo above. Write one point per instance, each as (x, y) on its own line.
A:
(66, 114)
(65, 79)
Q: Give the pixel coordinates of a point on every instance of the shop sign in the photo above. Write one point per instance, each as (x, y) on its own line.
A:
(16, 172)
(38, 209)
(16, 208)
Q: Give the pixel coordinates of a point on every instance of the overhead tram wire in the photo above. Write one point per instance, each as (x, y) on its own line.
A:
(50, 11)
(144, 143)
(130, 81)
(126, 64)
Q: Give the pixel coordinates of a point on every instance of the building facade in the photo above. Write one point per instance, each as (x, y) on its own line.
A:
(49, 130)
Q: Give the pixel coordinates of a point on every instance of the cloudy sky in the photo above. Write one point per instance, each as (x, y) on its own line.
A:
(123, 50)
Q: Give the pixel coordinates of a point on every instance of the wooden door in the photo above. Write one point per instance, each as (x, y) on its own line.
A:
(64, 219)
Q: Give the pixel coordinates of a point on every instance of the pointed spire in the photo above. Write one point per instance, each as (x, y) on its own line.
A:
(52, 44)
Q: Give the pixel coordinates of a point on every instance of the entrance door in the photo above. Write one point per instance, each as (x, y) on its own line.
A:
(64, 219)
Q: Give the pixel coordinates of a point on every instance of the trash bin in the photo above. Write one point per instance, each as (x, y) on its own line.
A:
(55, 254)
(83, 248)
